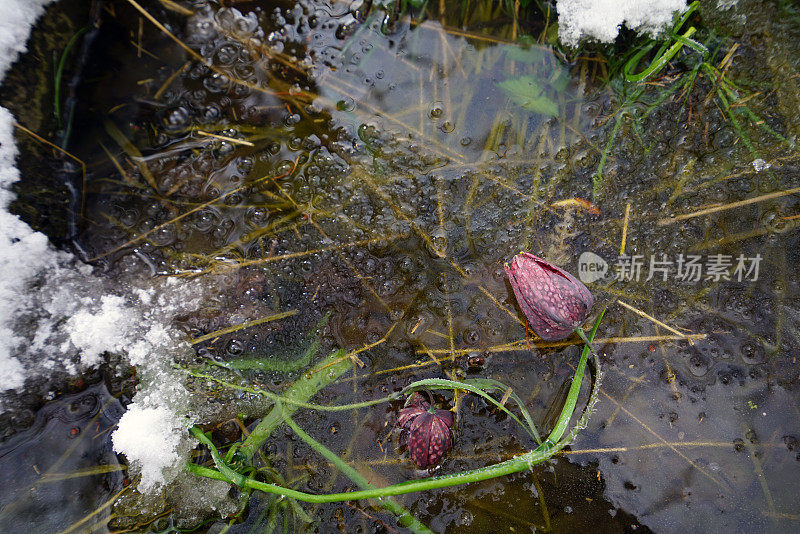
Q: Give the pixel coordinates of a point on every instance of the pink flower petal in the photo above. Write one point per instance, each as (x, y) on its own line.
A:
(553, 301)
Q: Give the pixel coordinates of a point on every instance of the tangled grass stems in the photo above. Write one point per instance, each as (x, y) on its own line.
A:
(299, 393)
(404, 517)
(541, 453)
(632, 86)
(281, 413)
(478, 386)
(664, 55)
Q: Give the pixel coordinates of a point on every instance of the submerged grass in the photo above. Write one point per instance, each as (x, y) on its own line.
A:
(640, 93)
(59, 74)
(547, 98)
(234, 466)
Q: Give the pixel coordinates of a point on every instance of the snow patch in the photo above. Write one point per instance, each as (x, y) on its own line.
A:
(150, 436)
(57, 315)
(16, 19)
(22, 250)
(107, 330)
(602, 19)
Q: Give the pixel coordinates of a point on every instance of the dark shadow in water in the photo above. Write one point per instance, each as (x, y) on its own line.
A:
(62, 468)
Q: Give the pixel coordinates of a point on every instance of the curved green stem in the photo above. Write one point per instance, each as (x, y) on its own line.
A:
(582, 335)
(435, 383)
(514, 465)
(551, 446)
(404, 517)
(325, 372)
(441, 383)
(60, 72)
(575, 387)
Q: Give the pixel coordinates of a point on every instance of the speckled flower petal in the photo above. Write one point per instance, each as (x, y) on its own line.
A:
(430, 438)
(415, 406)
(553, 301)
(407, 415)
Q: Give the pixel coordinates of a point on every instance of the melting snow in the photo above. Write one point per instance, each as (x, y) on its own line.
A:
(55, 314)
(151, 436)
(602, 19)
(22, 251)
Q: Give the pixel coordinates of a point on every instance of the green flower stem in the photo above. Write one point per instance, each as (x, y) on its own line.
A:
(582, 335)
(325, 372)
(575, 387)
(515, 465)
(467, 385)
(488, 384)
(551, 446)
(404, 517)
(479, 388)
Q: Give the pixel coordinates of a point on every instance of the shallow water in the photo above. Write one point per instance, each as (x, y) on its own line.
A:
(383, 168)
(62, 468)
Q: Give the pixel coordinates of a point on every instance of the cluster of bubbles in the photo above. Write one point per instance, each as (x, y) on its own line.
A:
(329, 216)
(365, 220)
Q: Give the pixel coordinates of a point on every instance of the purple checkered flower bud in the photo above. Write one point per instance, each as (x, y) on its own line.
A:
(429, 431)
(554, 302)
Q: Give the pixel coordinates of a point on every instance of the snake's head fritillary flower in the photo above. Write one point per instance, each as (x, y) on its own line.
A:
(554, 302)
(429, 431)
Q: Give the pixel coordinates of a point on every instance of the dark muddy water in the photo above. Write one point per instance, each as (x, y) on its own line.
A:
(381, 164)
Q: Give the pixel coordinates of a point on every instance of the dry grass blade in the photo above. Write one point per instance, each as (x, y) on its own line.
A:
(500, 305)
(226, 138)
(658, 436)
(169, 80)
(242, 326)
(520, 345)
(132, 152)
(75, 158)
(161, 27)
(625, 228)
(761, 198)
(224, 266)
(186, 214)
(90, 471)
(80, 525)
(194, 54)
(651, 319)
(125, 176)
(461, 33)
(173, 6)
